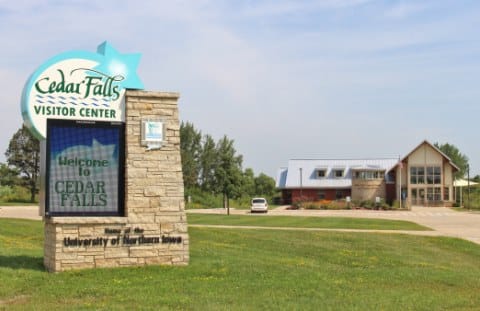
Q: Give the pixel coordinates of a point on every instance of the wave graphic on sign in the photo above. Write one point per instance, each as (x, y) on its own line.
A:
(62, 100)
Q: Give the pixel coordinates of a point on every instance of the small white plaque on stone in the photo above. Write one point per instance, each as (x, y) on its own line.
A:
(152, 133)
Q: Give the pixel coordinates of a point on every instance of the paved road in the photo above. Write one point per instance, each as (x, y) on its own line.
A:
(25, 212)
(465, 225)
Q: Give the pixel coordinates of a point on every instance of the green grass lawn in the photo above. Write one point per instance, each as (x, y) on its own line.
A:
(254, 270)
(303, 222)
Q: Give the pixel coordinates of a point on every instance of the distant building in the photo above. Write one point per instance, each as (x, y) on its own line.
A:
(423, 177)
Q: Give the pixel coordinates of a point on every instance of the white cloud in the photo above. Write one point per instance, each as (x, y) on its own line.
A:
(273, 7)
(405, 10)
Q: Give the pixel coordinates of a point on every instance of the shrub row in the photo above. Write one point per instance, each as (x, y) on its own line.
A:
(305, 203)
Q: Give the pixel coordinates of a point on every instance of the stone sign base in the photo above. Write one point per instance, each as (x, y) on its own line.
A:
(154, 229)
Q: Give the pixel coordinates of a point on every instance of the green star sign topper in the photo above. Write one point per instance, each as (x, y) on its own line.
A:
(80, 85)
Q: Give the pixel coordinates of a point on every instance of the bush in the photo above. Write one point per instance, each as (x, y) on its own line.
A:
(300, 203)
(367, 204)
(242, 202)
(371, 205)
(15, 194)
(384, 206)
(327, 205)
(342, 205)
(6, 193)
(202, 199)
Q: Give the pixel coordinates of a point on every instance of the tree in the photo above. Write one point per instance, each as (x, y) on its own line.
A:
(23, 154)
(248, 183)
(208, 163)
(8, 176)
(456, 156)
(216, 168)
(190, 148)
(265, 185)
(228, 173)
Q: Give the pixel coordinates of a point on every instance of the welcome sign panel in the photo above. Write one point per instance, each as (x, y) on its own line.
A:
(85, 168)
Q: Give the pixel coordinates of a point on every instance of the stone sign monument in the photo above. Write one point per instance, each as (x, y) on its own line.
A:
(112, 188)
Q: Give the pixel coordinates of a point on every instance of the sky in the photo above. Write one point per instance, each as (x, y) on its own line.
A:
(283, 79)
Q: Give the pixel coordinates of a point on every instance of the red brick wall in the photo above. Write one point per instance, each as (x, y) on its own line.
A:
(391, 190)
(313, 194)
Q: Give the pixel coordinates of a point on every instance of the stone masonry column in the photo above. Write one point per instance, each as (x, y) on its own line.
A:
(154, 193)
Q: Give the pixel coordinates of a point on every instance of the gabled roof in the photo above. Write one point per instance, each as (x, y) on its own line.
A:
(436, 149)
(281, 177)
(306, 170)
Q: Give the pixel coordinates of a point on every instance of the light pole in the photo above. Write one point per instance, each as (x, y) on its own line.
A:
(301, 184)
(468, 185)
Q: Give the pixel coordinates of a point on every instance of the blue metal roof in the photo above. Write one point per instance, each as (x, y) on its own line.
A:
(290, 177)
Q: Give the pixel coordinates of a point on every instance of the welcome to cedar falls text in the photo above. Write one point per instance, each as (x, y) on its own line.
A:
(78, 192)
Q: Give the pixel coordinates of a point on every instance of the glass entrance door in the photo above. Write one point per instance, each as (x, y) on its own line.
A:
(417, 196)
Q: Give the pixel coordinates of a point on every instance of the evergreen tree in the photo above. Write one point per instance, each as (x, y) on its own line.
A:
(23, 154)
(208, 163)
(190, 148)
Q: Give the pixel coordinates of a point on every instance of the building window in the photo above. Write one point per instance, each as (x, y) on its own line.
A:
(431, 174)
(446, 194)
(338, 173)
(321, 194)
(321, 173)
(414, 194)
(417, 175)
(434, 175)
(434, 194)
(368, 175)
(391, 177)
(339, 194)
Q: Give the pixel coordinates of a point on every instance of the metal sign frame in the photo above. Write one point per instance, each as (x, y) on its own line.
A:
(79, 125)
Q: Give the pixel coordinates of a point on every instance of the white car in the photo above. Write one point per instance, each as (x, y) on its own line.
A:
(259, 205)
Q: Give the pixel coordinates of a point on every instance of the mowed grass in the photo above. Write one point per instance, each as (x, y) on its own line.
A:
(303, 222)
(254, 270)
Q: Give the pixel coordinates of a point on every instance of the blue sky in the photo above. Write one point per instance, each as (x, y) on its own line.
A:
(284, 79)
